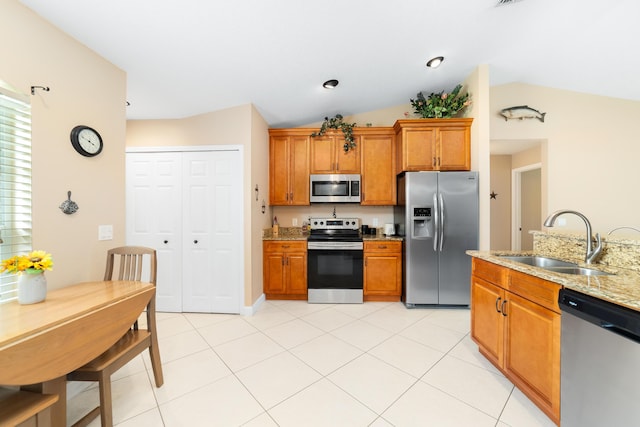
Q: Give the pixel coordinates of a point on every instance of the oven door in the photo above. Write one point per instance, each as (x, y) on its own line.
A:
(334, 272)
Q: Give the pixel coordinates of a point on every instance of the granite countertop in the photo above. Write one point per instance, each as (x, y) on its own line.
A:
(296, 233)
(622, 287)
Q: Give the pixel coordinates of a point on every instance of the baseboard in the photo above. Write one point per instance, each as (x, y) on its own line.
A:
(251, 310)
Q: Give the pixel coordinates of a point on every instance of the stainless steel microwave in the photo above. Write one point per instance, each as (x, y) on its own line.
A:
(335, 188)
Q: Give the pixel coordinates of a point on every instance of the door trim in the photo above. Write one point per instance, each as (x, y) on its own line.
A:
(185, 148)
(516, 199)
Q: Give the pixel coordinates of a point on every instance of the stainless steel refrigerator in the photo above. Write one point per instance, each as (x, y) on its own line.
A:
(437, 214)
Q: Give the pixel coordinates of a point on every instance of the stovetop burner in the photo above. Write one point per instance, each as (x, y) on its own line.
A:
(338, 229)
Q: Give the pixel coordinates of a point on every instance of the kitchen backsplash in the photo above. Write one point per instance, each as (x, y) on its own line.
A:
(622, 252)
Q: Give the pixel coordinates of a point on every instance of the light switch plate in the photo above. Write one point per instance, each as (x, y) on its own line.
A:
(105, 232)
(294, 222)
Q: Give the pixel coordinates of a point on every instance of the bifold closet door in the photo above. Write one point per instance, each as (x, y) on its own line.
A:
(212, 226)
(188, 206)
(154, 218)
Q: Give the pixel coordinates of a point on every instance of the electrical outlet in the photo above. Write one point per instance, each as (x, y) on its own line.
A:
(294, 222)
(105, 232)
(375, 222)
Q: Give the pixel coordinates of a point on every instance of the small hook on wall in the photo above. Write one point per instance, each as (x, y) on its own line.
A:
(257, 191)
(44, 88)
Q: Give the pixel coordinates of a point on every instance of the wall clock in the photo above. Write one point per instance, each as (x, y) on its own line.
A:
(86, 141)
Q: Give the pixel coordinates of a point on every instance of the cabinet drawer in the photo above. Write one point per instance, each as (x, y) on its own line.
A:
(383, 246)
(285, 246)
(490, 272)
(535, 289)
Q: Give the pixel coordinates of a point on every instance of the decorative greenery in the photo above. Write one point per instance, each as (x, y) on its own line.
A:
(35, 262)
(337, 123)
(441, 105)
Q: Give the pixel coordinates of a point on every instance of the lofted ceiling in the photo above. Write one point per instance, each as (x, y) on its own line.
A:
(187, 57)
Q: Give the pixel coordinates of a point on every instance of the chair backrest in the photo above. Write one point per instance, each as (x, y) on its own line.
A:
(128, 263)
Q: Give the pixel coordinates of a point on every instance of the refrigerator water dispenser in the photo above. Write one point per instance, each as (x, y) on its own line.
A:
(422, 225)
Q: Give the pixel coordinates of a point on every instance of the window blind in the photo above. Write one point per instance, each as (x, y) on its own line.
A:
(15, 183)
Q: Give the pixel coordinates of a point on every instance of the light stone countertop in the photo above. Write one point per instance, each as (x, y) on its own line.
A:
(296, 233)
(622, 288)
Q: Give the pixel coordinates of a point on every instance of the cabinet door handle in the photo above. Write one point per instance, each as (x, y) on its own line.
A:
(434, 162)
(166, 241)
(502, 308)
(285, 246)
(497, 303)
(382, 246)
(195, 241)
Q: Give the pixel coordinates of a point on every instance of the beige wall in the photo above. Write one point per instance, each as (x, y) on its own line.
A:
(85, 89)
(591, 151)
(240, 125)
(501, 205)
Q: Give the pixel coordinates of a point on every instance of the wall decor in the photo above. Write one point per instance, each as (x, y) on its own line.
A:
(493, 195)
(522, 112)
(441, 105)
(338, 123)
(69, 206)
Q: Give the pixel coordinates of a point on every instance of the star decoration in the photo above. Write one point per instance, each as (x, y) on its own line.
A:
(493, 195)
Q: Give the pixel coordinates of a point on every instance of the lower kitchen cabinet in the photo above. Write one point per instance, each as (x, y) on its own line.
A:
(285, 269)
(382, 270)
(515, 320)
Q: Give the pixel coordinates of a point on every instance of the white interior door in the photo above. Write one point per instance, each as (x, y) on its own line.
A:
(154, 218)
(188, 206)
(212, 227)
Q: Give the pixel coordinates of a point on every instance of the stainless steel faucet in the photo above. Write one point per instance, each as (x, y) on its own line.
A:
(592, 252)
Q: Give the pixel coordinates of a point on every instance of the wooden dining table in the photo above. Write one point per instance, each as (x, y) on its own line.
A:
(41, 343)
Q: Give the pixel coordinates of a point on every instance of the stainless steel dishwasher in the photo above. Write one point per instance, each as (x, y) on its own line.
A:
(600, 362)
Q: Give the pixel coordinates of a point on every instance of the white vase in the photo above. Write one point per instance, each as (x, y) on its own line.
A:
(32, 288)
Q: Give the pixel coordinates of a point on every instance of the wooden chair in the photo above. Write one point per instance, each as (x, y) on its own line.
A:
(130, 265)
(24, 408)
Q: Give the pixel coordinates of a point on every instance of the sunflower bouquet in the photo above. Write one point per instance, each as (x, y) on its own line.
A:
(33, 263)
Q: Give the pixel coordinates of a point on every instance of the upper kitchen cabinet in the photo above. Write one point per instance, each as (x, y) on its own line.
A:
(433, 144)
(328, 155)
(378, 165)
(288, 167)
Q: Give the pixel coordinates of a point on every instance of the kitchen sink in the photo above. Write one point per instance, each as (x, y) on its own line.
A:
(539, 261)
(555, 265)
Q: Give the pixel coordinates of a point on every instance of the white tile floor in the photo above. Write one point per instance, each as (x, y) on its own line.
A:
(299, 364)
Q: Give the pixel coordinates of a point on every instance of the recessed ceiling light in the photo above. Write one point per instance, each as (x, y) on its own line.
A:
(435, 62)
(330, 84)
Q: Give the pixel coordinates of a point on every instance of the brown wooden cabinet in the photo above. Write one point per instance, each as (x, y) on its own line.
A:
(288, 167)
(433, 144)
(328, 155)
(378, 165)
(285, 269)
(515, 320)
(382, 270)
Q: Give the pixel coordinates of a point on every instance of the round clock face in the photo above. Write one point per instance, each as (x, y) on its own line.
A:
(86, 141)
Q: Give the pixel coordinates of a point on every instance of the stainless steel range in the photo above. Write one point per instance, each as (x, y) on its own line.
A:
(334, 261)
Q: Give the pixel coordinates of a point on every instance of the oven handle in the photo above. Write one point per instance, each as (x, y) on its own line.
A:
(335, 246)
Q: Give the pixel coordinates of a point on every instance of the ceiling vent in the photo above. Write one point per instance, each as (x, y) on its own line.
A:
(506, 2)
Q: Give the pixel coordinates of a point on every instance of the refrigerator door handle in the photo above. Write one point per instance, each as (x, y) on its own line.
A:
(441, 207)
(436, 222)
